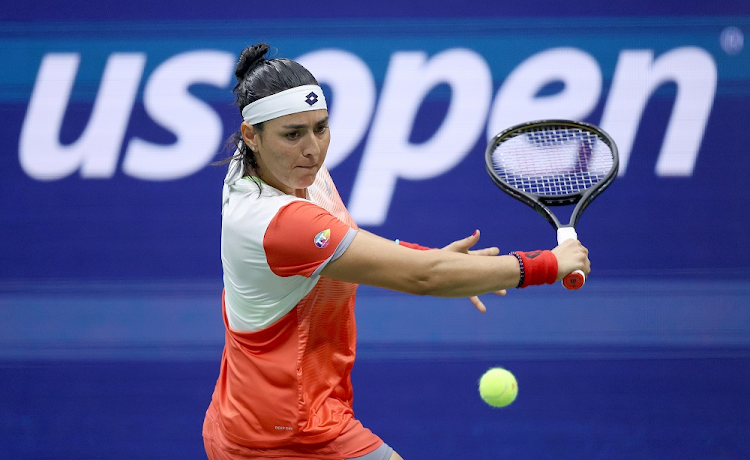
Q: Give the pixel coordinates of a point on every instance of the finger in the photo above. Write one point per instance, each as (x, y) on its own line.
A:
(469, 241)
(463, 245)
(478, 304)
(501, 292)
(485, 252)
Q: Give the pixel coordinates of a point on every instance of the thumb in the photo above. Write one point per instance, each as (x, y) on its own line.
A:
(463, 245)
(471, 240)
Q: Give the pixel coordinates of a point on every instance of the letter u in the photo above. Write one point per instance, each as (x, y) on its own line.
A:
(95, 153)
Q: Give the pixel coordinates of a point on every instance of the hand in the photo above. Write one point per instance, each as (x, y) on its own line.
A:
(463, 246)
(571, 256)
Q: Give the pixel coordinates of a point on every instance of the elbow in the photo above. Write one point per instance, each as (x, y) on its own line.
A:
(425, 286)
(430, 277)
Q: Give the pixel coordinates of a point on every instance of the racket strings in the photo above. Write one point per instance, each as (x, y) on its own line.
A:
(552, 160)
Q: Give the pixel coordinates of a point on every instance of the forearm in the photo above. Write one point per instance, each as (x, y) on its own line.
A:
(450, 274)
(375, 261)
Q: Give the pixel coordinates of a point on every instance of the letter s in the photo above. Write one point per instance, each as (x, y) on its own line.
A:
(197, 126)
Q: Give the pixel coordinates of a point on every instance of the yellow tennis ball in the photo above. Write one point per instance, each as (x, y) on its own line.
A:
(498, 387)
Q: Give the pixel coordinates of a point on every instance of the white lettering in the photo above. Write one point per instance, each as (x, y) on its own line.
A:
(636, 78)
(389, 155)
(517, 100)
(96, 151)
(197, 126)
(353, 100)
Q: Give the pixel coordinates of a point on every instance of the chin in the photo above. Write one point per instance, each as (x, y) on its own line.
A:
(307, 179)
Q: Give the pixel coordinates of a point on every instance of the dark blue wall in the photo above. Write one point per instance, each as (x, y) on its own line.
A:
(63, 219)
(110, 118)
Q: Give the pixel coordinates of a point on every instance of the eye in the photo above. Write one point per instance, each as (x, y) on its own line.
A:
(320, 129)
(292, 135)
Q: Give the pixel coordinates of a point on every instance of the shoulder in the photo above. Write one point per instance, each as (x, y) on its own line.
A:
(302, 236)
(248, 203)
(295, 221)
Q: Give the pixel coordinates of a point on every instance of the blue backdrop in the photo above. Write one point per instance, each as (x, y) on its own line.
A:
(111, 117)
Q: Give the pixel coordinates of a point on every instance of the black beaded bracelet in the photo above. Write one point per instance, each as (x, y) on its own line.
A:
(520, 264)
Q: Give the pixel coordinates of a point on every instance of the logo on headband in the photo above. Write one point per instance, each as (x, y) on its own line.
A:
(312, 98)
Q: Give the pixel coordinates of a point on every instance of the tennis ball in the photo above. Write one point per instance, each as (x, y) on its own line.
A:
(498, 387)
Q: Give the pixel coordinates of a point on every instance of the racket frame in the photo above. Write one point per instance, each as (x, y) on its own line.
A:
(541, 203)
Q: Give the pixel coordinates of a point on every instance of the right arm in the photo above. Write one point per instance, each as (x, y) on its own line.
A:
(376, 261)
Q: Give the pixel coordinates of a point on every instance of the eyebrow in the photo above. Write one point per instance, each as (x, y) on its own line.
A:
(302, 125)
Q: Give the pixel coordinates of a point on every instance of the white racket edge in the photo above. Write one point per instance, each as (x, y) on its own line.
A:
(576, 279)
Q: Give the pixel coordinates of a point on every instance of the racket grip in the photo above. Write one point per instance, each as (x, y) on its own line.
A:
(576, 279)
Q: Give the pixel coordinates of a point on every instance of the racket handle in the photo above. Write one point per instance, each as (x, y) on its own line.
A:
(576, 279)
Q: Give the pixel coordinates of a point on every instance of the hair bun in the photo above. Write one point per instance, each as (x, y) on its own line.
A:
(249, 58)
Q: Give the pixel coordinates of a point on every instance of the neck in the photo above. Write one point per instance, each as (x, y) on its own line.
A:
(299, 192)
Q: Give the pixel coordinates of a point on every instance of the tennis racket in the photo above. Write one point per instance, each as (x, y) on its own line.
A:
(554, 163)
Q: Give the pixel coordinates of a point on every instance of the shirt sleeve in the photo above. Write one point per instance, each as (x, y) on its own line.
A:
(302, 238)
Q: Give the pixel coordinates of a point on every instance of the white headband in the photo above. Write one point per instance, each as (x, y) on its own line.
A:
(294, 100)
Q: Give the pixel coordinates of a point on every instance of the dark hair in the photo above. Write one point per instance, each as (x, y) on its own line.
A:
(258, 77)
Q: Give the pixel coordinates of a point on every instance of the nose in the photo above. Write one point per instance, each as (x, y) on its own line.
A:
(311, 145)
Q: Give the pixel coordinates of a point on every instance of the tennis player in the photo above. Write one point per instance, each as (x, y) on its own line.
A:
(292, 258)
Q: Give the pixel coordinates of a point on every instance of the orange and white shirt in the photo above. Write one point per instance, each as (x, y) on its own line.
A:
(290, 333)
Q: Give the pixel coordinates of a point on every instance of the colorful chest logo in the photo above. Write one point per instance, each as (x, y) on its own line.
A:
(322, 238)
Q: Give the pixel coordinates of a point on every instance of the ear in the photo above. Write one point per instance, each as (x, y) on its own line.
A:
(249, 135)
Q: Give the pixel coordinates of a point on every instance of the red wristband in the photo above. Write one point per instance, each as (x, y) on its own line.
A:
(412, 245)
(537, 267)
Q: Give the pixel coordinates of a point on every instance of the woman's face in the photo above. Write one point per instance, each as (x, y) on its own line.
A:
(290, 150)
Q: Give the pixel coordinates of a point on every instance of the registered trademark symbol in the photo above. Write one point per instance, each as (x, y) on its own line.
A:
(732, 40)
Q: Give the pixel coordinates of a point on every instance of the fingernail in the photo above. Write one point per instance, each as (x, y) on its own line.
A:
(475, 232)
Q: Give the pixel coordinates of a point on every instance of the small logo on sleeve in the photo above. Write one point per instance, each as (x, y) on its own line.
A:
(322, 238)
